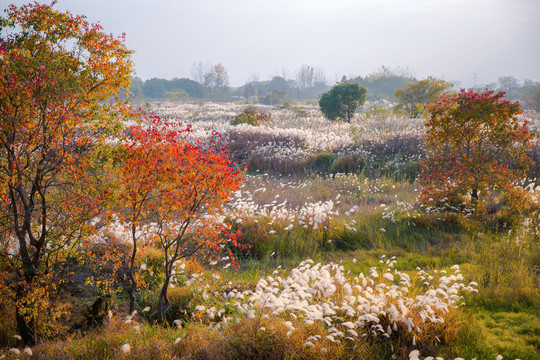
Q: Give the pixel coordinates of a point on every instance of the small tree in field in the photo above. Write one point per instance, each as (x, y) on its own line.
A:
(341, 101)
(180, 186)
(413, 98)
(138, 174)
(475, 146)
(59, 81)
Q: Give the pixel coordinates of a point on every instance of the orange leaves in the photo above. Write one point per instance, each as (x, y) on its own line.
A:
(59, 76)
(178, 184)
(61, 59)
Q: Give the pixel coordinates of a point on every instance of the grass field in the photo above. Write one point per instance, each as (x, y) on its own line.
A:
(340, 262)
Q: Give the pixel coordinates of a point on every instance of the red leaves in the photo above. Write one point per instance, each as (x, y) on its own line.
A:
(169, 179)
(475, 143)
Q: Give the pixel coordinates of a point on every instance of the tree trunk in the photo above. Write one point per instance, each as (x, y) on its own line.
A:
(132, 280)
(474, 195)
(26, 327)
(163, 302)
(131, 294)
(133, 287)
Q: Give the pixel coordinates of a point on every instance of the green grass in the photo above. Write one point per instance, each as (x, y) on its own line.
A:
(510, 334)
(503, 318)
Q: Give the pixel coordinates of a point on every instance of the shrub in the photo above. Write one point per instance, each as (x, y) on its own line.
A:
(348, 163)
(321, 163)
(251, 116)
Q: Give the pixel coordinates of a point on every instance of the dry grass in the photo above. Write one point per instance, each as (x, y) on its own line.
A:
(265, 338)
(346, 190)
(146, 342)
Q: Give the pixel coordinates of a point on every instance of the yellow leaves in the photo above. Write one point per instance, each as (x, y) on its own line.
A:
(38, 304)
(414, 97)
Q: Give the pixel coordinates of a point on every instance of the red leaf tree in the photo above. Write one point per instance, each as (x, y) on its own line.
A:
(179, 185)
(475, 148)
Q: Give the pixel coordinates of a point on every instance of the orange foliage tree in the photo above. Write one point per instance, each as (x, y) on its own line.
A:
(138, 175)
(475, 147)
(60, 78)
(178, 186)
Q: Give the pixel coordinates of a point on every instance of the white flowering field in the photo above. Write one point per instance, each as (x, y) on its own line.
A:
(309, 186)
(337, 260)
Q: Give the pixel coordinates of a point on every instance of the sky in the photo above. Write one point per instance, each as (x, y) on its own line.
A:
(470, 41)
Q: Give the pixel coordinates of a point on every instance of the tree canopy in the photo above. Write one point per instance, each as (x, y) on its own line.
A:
(475, 146)
(60, 77)
(342, 100)
(383, 83)
(413, 98)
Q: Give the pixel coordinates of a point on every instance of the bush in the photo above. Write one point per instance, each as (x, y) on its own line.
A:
(321, 163)
(349, 163)
(251, 116)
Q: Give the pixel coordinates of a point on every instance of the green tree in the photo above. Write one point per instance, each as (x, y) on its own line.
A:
(342, 100)
(155, 88)
(279, 83)
(413, 98)
(192, 88)
(475, 147)
(60, 77)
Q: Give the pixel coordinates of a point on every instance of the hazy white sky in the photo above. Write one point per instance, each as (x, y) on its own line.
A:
(450, 39)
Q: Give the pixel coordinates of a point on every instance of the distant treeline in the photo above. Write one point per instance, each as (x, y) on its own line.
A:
(308, 84)
(275, 91)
